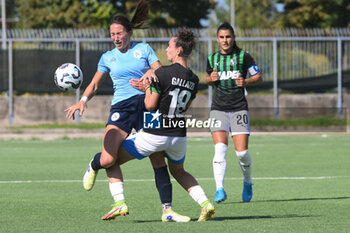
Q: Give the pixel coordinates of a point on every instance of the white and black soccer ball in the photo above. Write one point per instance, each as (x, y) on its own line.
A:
(68, 77)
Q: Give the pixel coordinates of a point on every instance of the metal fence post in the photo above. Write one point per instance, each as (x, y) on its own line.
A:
(3, 24)
(275, 81)
(339, 76)
(210, 88)
(10, 93)
(77, 62)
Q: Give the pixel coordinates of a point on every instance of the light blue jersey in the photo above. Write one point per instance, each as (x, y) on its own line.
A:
(125, 66)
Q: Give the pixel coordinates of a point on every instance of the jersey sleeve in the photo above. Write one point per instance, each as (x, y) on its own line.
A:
(209, 66)
(249, 65)
(194, 93)
(102, 66)
(156, 86)
(151, 55)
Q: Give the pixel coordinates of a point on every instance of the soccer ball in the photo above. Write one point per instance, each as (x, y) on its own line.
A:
(68, 77)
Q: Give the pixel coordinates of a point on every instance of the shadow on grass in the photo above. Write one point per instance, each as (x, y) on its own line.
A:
(260, 217)
(286, 200)
(306, 199)
(263, 216)
(241, 218)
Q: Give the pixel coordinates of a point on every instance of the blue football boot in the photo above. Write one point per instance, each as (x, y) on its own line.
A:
(220, 195)
(247, 193)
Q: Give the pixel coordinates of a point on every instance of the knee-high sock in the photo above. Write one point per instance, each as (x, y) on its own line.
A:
(164, 186)
(198, 195)
(95, 164)
(245, 162)
(219, 164)
(117, 191)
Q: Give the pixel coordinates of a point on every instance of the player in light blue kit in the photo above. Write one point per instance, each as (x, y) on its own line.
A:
(128, 62)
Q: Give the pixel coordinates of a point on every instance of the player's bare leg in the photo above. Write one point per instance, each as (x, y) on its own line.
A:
(112, 140)
(114, 137)
(190, 184)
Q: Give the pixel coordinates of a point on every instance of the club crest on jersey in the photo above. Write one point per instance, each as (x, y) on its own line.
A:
(137, 54)
(115, 116)
(224, 75)
(233, 62)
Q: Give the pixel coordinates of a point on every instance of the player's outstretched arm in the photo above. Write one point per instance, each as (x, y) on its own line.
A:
(89, 92)
(75, 107)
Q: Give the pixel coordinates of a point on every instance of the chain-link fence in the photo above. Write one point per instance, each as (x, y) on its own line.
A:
(33, 61)
(297, 64)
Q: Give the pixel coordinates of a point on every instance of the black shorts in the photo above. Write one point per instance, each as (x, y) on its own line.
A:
(128, 114)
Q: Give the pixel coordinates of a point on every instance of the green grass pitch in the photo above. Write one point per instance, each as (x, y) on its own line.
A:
(301, 184)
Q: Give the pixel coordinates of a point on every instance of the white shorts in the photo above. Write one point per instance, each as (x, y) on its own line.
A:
(142, 145)
(232, 122)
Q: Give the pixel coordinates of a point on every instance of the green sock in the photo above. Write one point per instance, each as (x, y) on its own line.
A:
(204, 204)
(121, 202)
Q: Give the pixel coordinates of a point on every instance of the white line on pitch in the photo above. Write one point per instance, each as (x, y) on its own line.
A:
(152, 180)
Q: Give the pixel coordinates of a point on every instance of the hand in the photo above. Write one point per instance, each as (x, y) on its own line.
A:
(214, 76)
(240, 81)
(72, 109)
(149, 76)
(138, 84)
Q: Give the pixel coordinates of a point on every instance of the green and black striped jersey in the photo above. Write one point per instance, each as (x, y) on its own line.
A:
(227, 95)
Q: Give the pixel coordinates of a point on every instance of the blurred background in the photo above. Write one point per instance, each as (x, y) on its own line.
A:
(301, 46)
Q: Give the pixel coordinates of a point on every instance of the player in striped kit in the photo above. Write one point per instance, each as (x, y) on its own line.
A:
(227, 71)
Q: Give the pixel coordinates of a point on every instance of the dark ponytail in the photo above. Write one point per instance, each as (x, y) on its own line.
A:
(141, 14)
(140, 17)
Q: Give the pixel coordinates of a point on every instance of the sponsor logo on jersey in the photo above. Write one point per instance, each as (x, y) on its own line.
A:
(137, 54)
(151, 120)
(115, 116)
(224, 75)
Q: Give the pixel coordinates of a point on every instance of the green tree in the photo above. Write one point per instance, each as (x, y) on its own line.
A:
(316, 13)
(10, 13)
(97, 13)
(248, 14)
(171, 13)
(63, 13)
(180, 13)
(10, 8)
